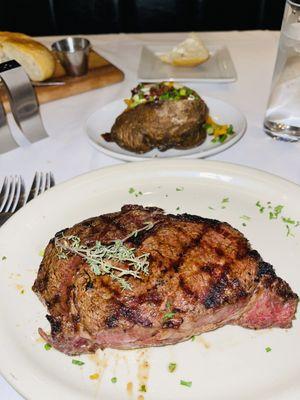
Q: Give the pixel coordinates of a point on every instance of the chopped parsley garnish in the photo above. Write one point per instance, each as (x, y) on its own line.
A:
(143, 388)
(47, 346)
(268, 349)
(172, 367)
(179, 189)
(288, 231)
(186, 383)
(114, 380)
(169, 314)
(245, 218)
(4, 258)
(22, 291)
(193, 338)
(77, 362)
(260, 207)
(177, 208)
(244, 224)
(225, 200)
(275, 213)
(135, 192)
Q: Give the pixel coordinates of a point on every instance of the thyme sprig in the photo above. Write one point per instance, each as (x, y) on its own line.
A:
(106, 259)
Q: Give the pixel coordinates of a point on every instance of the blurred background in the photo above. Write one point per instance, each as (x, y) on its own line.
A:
(60, 17)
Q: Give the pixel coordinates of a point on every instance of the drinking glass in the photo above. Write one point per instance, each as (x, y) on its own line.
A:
(282, 118)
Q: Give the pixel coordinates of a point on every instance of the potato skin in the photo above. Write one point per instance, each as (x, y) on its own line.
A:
(163, 125)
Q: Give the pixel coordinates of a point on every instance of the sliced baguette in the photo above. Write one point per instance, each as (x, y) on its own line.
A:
(189, 53)
(35, 58)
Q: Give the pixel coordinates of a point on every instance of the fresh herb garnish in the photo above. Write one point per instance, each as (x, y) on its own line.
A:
(193, 338)
(47, 346)
(4, 258)
(260, 207)
(177, 208)
(134, 191)
(268, 349)
(169, 314)
(275, 213)
(289, 231)
(41, 253)
(179, 189)
(186, 383)
(210, 207)
(143, 388)
(105, 259)
(77, 362)
(245, 218)
(113, 380)
(172, 367)
(225, 200)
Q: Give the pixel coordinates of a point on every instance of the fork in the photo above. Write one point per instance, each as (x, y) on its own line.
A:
(12, 195)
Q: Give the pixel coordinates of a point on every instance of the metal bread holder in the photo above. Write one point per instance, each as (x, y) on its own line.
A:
(73, 54)
(23, 104)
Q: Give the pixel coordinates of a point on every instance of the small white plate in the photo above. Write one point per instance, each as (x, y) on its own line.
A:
(228, 363)
(103, 119)
(218, 68)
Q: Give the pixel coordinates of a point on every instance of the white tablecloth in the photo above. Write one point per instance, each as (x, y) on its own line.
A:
(67, 152)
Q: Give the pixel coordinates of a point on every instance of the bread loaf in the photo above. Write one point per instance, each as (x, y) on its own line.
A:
(35, 58)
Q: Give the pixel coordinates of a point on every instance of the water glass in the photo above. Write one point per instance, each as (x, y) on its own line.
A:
(282, 119)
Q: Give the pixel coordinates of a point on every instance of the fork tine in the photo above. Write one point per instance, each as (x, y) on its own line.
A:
(17, 192)
(49, 180)
(52, 180)
(42, 183)
(11, 194)
(21, 198)
(34, 187)
(4, 193)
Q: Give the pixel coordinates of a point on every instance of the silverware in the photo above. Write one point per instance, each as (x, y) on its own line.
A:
(73, 54)
(48, 83)
(12, 195)
(7, 141)
(41, 183)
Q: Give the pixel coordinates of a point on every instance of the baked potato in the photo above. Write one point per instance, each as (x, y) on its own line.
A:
(163, 116)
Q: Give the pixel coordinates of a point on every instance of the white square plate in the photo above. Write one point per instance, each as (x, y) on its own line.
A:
(218, 68)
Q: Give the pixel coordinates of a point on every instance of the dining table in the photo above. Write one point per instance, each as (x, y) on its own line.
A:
(67, 152)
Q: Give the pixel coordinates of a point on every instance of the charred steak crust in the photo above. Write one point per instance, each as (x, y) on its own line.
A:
(203, 274)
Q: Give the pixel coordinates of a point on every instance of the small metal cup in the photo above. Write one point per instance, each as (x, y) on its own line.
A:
(73, 54)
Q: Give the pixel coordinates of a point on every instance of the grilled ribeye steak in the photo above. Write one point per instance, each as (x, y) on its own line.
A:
(203, 274)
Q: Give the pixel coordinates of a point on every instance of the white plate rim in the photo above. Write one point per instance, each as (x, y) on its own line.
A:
(197, 154)
(201, 166)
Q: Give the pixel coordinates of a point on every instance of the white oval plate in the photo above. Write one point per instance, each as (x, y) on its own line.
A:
(230, 363)
(102, 121)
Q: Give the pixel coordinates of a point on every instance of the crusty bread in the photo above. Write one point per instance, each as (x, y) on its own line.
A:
(35, 58)
(189, 53)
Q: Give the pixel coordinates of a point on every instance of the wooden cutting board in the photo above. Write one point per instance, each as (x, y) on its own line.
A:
(101, 73)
